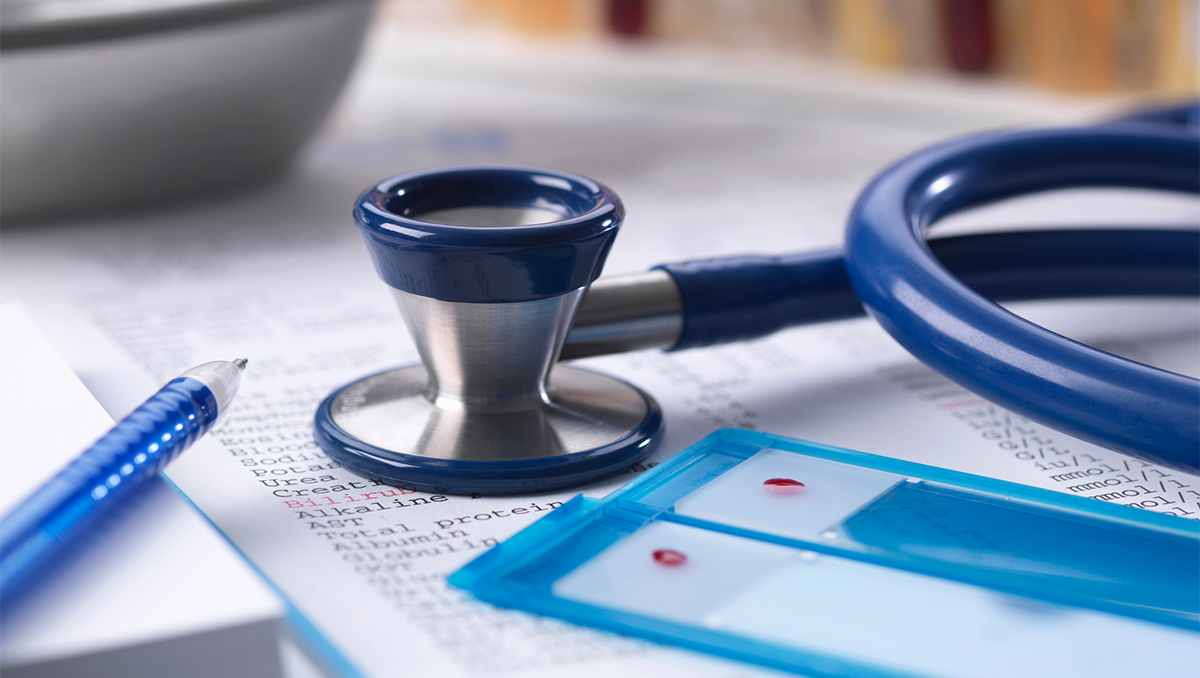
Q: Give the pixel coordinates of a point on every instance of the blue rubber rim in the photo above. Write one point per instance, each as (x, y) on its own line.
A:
(521, 476)
(493, 264)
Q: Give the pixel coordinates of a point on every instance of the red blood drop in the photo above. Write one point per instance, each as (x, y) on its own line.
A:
(783, 485)
(669, 557)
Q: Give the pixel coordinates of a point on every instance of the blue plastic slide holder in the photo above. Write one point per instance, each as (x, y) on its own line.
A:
(831, 562)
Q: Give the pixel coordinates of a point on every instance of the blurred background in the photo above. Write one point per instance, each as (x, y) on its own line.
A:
(144, 102)
(1086, 47)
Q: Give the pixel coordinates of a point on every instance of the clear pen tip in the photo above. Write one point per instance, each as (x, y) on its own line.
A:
(221, 377)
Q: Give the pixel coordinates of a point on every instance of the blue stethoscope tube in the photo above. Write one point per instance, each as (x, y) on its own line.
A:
(1142, 411)
(1139, 410)
(730, 299)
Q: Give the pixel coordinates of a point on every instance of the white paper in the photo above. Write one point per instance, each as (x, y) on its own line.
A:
(280, 277)
(43, 406)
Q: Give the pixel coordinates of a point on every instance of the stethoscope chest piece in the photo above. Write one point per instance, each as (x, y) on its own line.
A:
(488, 266)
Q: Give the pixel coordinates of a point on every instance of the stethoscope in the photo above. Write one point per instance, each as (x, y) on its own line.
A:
(495, 271)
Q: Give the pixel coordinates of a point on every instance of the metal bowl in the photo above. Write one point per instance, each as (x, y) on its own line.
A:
(110, 104)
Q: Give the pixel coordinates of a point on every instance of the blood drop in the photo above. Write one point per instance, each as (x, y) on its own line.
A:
(669, 557)
(783, 485)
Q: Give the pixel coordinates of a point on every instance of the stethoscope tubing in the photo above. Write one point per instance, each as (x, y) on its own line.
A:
(1148, 413)
(740, 298)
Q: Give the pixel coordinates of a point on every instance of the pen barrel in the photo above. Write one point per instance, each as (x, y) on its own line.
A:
(114, 467)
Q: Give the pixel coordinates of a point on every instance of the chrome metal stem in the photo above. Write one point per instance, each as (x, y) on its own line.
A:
(626, 313)
(488, 357)
(497, 357)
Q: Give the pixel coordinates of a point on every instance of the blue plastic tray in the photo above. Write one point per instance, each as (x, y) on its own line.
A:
(832, 562)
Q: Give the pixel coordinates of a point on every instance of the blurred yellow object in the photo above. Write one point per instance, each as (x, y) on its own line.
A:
(877, 33)
(1175, 68)
(1097, 46)
(543, 17)
(1136, 36)
(1071, 44)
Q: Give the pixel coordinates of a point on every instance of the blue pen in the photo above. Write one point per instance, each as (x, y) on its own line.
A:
(113, 469)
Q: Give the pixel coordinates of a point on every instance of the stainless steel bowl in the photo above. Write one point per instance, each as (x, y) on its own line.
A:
(109, 104)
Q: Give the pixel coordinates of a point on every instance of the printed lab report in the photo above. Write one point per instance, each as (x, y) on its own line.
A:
(280, 277)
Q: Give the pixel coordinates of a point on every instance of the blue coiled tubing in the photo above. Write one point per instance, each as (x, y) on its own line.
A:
(950, 322)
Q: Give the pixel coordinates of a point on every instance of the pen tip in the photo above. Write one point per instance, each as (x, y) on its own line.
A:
(240, 363)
